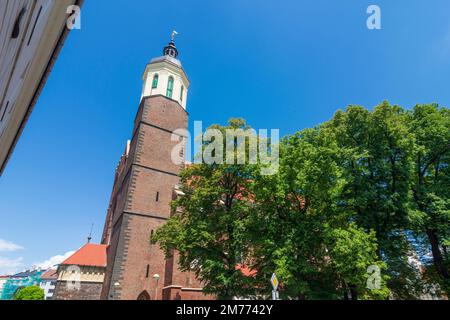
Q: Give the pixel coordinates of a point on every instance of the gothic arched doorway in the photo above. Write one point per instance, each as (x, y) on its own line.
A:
(144, 296)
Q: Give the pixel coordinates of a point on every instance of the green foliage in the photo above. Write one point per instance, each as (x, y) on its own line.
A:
(30, 293)
(378, 168)
(352, 252)
(306, 227)
(365, 190)
(430, 217)
(210, 235)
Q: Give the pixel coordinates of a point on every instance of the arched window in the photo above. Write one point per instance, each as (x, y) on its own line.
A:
(155, 81)
(181, 93)
(170, 87)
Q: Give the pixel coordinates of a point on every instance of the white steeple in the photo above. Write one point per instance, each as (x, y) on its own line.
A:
(165, 76)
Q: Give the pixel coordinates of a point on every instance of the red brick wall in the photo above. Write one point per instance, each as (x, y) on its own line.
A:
(136, 212)
(86, 291)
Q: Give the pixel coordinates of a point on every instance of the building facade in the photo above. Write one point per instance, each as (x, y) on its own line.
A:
(3, 280)
(81, 276)
(32, 34)
(48, 283)
(144, 186)
(18, 281)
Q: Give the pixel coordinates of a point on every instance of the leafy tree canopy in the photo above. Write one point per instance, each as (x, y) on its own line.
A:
(30, 293)
(365, 191)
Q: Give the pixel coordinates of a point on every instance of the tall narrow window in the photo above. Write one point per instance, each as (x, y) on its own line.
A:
(155, 81)
(34, 26)
(148, 271)
(170, 87)
(181, 93)
(157, 196)
(151, 236)
(4, 111)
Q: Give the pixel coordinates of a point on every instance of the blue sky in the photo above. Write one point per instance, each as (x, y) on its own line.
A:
(278, 64)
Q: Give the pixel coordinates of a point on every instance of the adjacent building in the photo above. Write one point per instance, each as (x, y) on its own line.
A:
(3, 280)
(81, 276)
(32, 34)
(18, 281)
(48, 283)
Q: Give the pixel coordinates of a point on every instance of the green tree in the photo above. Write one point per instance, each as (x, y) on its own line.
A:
(348, 197)
(303, 231)
(378, 165)
(30, 293)
(431, 189)
(210, 234)
(377, 149)
(353, 252)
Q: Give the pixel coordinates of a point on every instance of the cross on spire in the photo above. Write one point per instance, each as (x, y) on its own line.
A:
(174, 33)
(170, 50)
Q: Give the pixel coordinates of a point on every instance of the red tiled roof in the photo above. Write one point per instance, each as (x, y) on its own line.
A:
(50, 274)
(89, 255)
(246, 271)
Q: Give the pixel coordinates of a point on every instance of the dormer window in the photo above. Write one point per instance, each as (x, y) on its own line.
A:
(170, 87)
(155, 81)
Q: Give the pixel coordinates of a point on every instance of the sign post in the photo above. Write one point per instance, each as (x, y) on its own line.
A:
(275, 283)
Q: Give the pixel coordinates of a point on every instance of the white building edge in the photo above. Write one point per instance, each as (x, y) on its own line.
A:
(32, 32)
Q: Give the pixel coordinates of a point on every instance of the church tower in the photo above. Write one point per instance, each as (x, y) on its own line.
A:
(145, 183)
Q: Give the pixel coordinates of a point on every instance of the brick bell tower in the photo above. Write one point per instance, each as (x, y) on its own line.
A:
(144, 185)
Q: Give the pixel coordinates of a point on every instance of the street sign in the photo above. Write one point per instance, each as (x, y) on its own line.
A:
(275, 295)
(274, 281)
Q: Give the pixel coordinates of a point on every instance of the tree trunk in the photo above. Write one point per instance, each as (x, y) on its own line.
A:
(437, 255)
(353, 292)
(345, 295)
